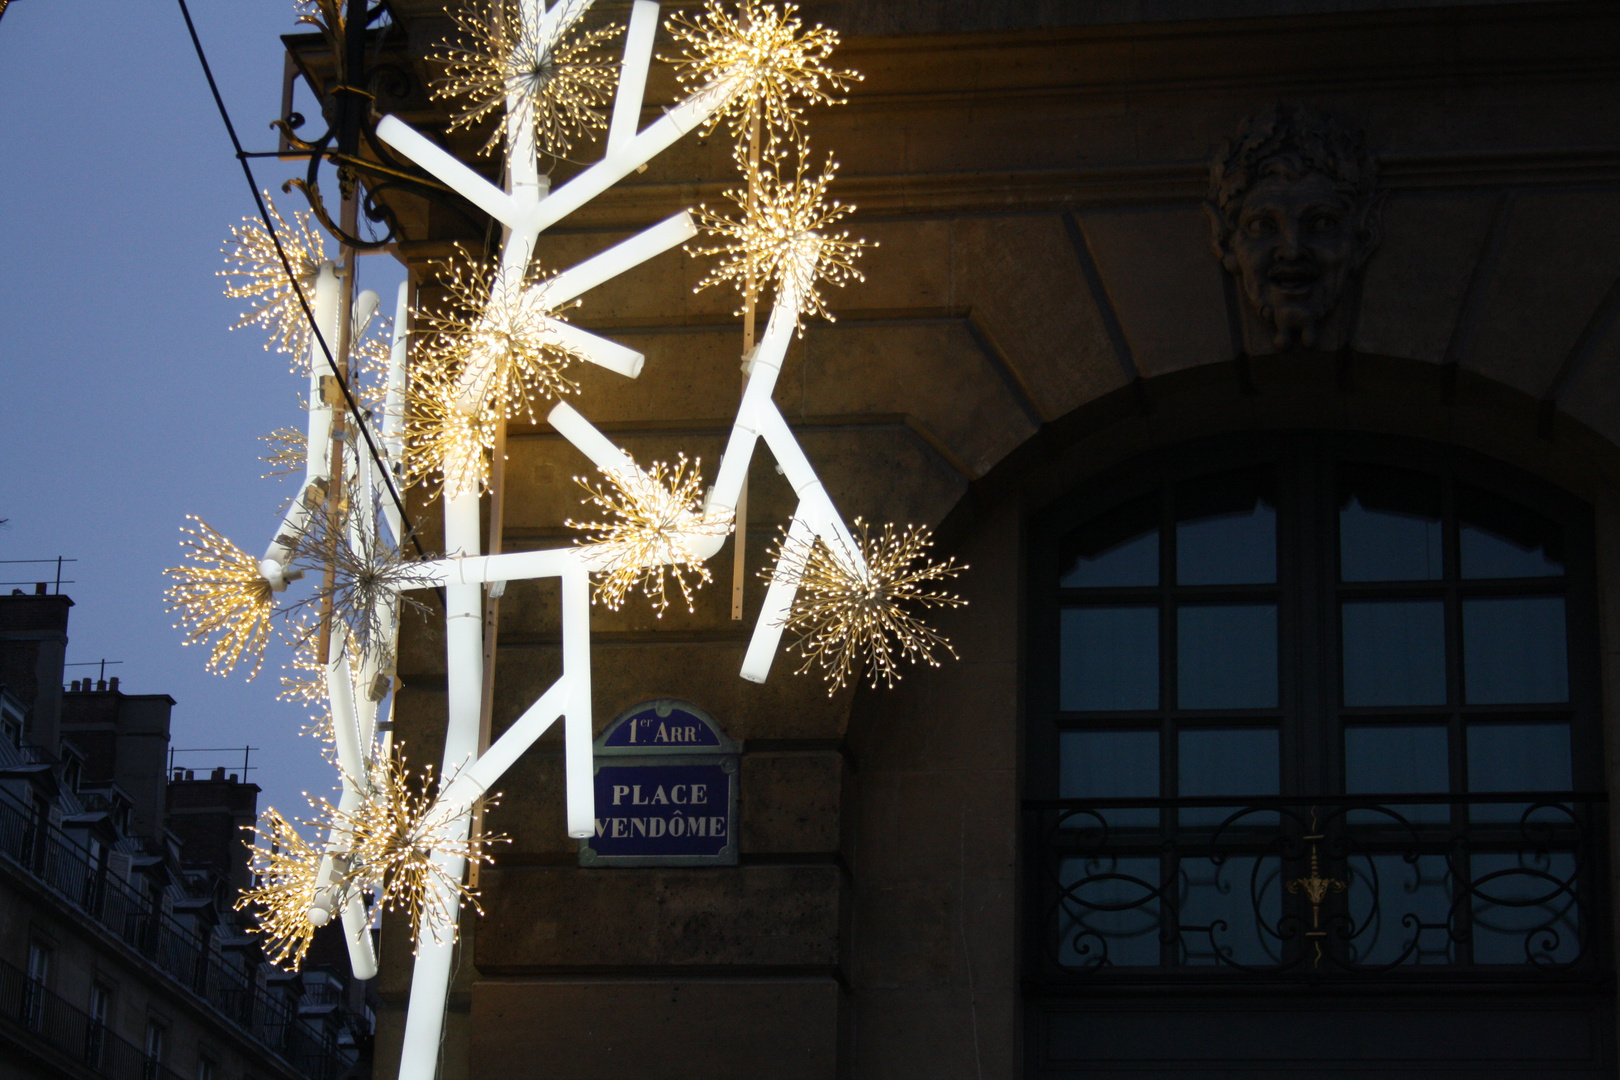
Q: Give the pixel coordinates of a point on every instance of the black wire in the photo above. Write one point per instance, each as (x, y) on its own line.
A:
(242, 157)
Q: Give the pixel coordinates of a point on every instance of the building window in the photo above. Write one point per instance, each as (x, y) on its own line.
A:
(37, 985)
(1324, 705)
(205, 1068)
(157, 1036)
(96, 1031)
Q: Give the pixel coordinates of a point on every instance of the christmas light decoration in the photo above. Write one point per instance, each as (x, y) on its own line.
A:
(397, 840)
(488, 349)
(445, 448)
(256, 273)
(771, 65)
(846, 621)
(508, 60)
(656, 515)
(287, 452)
(496, 334)
(369, 578)
(285, 867)
(780, 237)
(220, 594)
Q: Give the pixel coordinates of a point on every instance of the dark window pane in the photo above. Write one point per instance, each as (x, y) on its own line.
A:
(1110, 658)
(1394, 652)
(1518, 757)
(1109, 765)
(1500, 539)
(1514, 650)
(1226, 656)
(1118, 549)
(1389, 525)
(1392, 759)
(1226, 530)
(1395, 759)
(1228, 761)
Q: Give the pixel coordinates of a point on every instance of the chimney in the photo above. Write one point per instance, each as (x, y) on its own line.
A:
(39, 588)
(209, 816)
(33, 646)
(126, 740)
(112, 684)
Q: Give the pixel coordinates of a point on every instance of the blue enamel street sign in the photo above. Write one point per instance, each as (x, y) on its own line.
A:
(666, 790)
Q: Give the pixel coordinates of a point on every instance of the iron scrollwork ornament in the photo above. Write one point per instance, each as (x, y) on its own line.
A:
(354, 32)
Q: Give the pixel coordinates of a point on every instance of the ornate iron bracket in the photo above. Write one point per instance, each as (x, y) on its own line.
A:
(348, 107)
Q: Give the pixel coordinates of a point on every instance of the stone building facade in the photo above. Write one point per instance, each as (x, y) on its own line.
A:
(121, 957)
(1340, 274)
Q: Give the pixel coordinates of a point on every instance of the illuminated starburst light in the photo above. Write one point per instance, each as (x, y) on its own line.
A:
(770, 64)
(492, 332)
(285, 868)
(845, 622)
(394, 841)
(254, 272)
(500, 59)
(655, 517)
(220, 594)
(781, 239)
(445, 448)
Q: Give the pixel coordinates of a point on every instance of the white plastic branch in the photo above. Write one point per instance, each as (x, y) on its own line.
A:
(317, 440)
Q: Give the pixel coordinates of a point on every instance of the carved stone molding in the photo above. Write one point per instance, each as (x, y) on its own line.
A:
(1293, 209)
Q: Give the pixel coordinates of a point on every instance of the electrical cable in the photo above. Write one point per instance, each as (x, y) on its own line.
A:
(242, 157)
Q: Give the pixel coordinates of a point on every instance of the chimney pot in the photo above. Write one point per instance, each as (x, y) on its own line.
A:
(190, 774)
(101, 684)
(39, 588)
(218, 774)
(73, 687)
(179, 774)
(112, 683)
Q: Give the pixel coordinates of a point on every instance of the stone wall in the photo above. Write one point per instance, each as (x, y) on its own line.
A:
(1044, 304)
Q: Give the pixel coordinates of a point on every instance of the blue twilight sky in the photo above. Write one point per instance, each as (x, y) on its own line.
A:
(129, 402)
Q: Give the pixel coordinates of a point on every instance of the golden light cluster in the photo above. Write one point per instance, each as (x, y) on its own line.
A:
(500, 60)
(653, 518)
(780, 237)
(769, 63)
(255, 272)
(488, 352)
(219, 594)
(287, 453)
(445, 449)
(845, 622)
(284, 868)
(395, 842)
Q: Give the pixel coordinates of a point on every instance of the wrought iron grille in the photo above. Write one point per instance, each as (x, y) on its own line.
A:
(1345, 887)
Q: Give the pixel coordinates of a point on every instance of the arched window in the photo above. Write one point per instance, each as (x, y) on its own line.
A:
(1313, 706)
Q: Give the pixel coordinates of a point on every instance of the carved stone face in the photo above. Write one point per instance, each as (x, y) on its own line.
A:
(1293, 210)
(1295, 243)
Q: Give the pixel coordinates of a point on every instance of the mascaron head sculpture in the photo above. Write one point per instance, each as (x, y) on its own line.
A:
(1294, 213)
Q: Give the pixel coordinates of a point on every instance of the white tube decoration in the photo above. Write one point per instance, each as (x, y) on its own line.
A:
(526, 209)
(638, 47)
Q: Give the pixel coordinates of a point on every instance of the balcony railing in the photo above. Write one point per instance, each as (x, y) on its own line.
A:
(182, 953)
(43, 1017)
(1508, 886)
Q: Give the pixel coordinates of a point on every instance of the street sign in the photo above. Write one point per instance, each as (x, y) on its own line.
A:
(666, 790)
